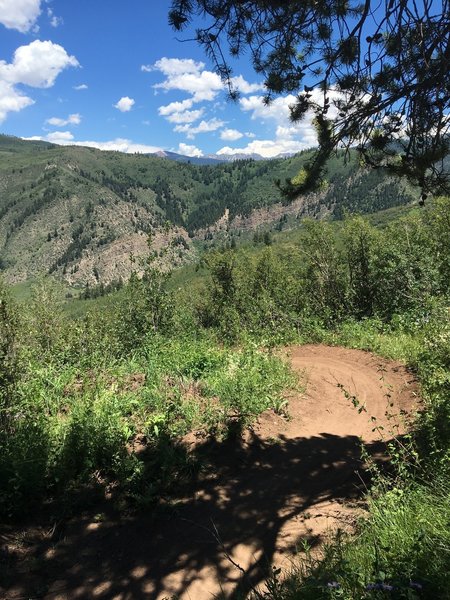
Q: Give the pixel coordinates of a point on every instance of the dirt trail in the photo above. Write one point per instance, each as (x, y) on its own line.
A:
(283, 482)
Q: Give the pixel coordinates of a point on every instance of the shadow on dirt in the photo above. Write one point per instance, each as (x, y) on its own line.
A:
(244, 496)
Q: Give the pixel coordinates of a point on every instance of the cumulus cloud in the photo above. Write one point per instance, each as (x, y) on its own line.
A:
(278, 109)
(60, 137)
(74, 119)
(19, 14)
(266, 148)
(177, 66)
(80, 87)
(37, 65)
(119, 144)
(54, 20)
(125, 104)
(11, 100)
(175, 107)
(188, 116)
(189, 76)
(202, 127)
(231, 135)
(244, 87)
(289, 137)
(189, 150)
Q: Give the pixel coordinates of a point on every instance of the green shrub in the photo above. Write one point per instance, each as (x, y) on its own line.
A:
(94, 437)
(250, 382)
(24, 457)
(433, 365)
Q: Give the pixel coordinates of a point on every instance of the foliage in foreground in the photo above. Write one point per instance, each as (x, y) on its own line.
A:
(72, 419)
(81, 398)
(402, 551)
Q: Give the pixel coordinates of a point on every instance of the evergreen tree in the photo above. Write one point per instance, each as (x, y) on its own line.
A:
(373, 76)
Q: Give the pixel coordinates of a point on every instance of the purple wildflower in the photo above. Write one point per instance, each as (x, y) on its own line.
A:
(373, 586)
(385, 587)
(334, 585)
(415, 585)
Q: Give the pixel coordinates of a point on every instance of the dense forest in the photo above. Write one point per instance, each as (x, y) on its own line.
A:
(99, 403)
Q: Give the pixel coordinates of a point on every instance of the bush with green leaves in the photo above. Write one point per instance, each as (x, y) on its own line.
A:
(250, 382)
(9, 333)
(433, 365)
(145, 308)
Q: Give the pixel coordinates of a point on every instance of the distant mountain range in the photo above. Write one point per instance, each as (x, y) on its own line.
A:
(214, 159)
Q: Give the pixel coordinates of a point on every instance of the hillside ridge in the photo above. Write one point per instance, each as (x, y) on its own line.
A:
(84, 215)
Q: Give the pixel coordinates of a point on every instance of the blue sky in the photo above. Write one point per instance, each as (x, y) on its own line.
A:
(113, 75)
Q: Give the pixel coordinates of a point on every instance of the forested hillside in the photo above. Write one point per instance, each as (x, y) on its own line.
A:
(80, 213)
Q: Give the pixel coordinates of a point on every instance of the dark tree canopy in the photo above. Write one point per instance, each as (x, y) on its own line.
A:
(376, 75)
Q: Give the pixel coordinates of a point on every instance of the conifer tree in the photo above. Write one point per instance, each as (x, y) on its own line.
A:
(374, 76)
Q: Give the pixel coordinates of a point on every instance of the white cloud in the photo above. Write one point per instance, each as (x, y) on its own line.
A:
(54, 20)
(37, 65)
(125, 104)
(188, 116)
(289, 137)
(60, 137)
(74, 119)
(267, 148)
(175, 107)
(176, 66)
(187, 75)
(187, 150)
(278, 109)
(203, 86)
(231, 135)
(227, 150)
(82, 86)
(244, 87)
(119, 144)
(19, 14)
(177, 112)
(11, 100)
(202, 127)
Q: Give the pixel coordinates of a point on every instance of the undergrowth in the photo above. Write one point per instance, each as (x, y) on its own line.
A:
(65, 423)
(106, 399)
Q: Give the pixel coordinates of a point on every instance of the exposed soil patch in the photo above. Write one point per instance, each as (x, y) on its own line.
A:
(261, 495)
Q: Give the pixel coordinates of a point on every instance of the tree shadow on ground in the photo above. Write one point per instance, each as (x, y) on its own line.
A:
(248, 490)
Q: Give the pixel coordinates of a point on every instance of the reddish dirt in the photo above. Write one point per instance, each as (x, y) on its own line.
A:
(263, 493)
